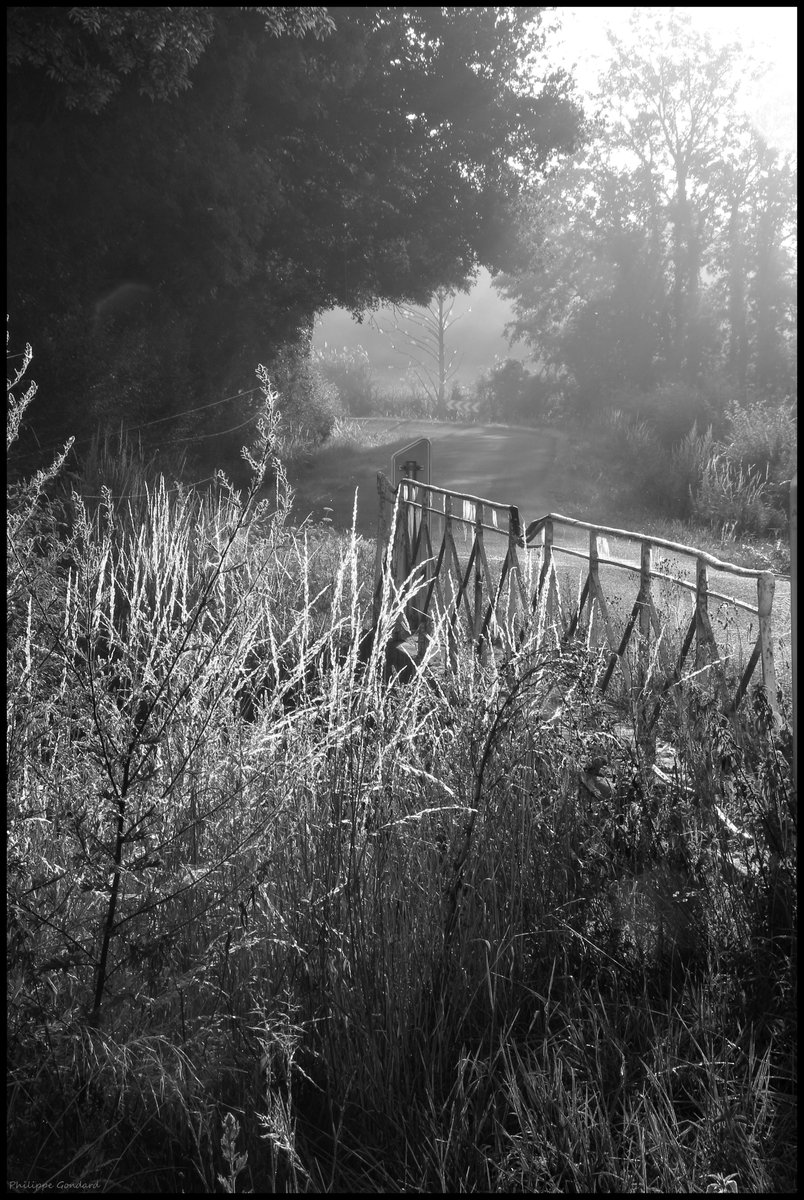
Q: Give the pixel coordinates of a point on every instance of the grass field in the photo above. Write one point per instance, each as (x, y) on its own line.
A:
(280, 923)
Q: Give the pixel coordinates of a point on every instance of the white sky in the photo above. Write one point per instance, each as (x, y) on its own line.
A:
(770, 34)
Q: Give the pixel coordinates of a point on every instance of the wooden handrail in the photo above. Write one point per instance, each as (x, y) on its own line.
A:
(536, 527)
(430, 487)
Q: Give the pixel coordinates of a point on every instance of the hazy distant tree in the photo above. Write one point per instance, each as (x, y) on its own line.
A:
(419, 335)
(755, 265)
(671, 94)
(508, 391)
(772, 292)
(589, 299)
(665, 252)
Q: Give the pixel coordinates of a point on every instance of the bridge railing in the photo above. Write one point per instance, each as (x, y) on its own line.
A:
(486, 598)
(644, 618)
(444, 534)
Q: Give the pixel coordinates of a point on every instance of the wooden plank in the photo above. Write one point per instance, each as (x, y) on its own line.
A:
(477, 599)
(645, 565)
(600, 600)
(765, 588)
(514, 541)
(747, 673)
(706, 648)
(576, 616)
(385, 494)
(618, 656)
(492, 589)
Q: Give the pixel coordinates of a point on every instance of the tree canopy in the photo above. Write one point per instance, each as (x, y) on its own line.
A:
(189, 187)
(664, 251)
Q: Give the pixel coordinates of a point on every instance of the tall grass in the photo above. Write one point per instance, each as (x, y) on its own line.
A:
(445, 935)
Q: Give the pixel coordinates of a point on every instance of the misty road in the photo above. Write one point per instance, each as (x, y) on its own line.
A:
(515, 465)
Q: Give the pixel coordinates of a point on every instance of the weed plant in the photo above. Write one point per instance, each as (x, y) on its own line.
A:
(451, 934)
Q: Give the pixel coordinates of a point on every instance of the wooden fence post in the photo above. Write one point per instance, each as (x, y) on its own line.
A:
(594, 585)
(765, 589)
(515, 589)
(701, 611)
(426, 550)
(452, 637)
(645, 583)
(547, 573)
(399, 548)
(383, 540)
(477, 617)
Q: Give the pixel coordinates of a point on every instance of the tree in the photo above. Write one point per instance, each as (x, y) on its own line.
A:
(91, 53)
(420, 336)
(589, 297)
(754, 257)
(295, 174)
(659, 258)
(673, 94)
(508, 391)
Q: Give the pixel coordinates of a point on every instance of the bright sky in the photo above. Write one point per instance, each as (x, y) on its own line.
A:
(770, 34)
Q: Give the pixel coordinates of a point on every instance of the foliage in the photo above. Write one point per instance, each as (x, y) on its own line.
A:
(441, 935)
(732, 500)
(350, 372)
(88, 52)
(288, 178)
(508, 391)
(763, 436)
(310, 404)
(663, 254)
(737, 484)
(744, 487)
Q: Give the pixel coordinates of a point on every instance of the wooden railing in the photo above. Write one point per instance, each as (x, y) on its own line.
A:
(486, 604)
(466, 597)
(644, 616)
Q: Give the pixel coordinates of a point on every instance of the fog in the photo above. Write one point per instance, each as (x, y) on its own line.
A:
(478, 335)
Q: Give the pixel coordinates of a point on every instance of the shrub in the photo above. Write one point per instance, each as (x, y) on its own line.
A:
(510, 392)
(638, 468)
(733, 501)
(762, 437)
(351, 374)
(689, 460)
(671, 409)
(743, 488)
(736, 484)
(309, 403)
